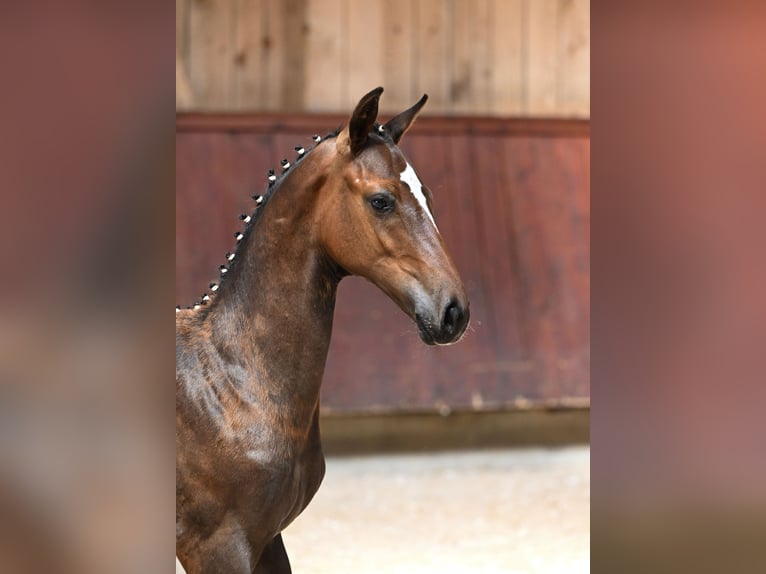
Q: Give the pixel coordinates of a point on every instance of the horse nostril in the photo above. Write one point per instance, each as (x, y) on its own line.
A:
(452, 317)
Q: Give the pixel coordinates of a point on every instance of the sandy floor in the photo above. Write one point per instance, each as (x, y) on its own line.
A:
(522, 511)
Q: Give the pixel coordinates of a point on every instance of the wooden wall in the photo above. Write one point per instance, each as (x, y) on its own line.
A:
(511, 199)
(488, 57)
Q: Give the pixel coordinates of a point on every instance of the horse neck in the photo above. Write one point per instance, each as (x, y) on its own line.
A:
(274, 311)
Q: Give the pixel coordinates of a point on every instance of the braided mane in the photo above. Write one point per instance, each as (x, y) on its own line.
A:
(275, 179)
(273, 183)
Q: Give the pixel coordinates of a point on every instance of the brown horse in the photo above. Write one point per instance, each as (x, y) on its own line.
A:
(250, 357)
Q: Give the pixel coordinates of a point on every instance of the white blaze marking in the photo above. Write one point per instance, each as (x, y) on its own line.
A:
(409, 177)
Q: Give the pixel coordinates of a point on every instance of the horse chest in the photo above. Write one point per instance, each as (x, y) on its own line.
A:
(298, 486)
(280, 477)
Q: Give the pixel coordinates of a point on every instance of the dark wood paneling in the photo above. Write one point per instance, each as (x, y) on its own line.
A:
(512, 201)
(356, 434)
(435, 125)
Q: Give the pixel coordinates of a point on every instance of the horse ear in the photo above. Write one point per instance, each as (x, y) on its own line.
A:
(398, 125)
(362, 120)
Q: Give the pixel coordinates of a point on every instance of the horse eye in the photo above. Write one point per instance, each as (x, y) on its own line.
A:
(381, 203)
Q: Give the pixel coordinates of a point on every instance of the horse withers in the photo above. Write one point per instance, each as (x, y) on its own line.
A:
(250, 355)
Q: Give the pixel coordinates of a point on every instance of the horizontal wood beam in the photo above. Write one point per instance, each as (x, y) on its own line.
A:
(321, 123)
(417, 432)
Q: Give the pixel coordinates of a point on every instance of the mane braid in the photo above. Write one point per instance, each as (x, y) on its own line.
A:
(232, 263)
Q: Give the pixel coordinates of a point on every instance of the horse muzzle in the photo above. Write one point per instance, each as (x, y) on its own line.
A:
(446, 326)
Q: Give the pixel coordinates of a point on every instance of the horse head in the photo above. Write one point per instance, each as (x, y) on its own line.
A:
(377, 222)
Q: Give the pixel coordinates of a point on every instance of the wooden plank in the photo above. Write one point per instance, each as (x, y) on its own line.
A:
(461, 197)
(184, 94)
(432, 23)
(326, 67)
(471, 62)
(295, 35)
(211, 53)
(538, 280)
(574, 58)
(507, 58)
(514, 377)
(541, 61)
(571, 244)
(483, 75)
(462, 55)
(274, 42)
(453, 125)
(549, 195)
(399, 38)
(365, 49)
(581, 284)
(364, 433)
(182, 28)
(250, 58)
